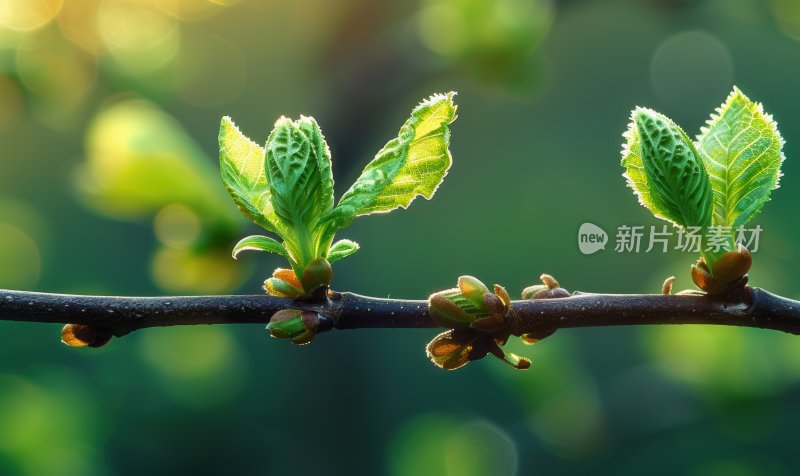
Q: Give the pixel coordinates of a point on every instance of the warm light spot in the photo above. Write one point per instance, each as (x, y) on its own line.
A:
(721, 360)
(480, 447)
(190, 10)
(177, 226)
(474, 30)
(787, 14)
(78, 23)
(49, 423)
(28, 15)
(196, 352)
(441, 28)
(140, 39)
(181, 270)
(140, 159)
(199, 365)
(571, 421)
(445, 444)
(54, 70)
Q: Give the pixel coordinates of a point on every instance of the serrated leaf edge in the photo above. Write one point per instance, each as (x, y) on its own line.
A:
(720, 110)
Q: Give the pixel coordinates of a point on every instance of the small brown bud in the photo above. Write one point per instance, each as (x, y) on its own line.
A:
(549, 281)
(489, 324)
(531, 291)
(550, 293)
(451, 350)
(294, 324)
(501, 292)
(494, 304)
(547, 290)
(447, 313)
(283, 283)
(534, 337)
(730, 268)
(666, 288)
(280, 288)
(81, 335)
(318, 272)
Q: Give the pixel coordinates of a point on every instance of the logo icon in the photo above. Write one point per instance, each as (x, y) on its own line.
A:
(591, 238)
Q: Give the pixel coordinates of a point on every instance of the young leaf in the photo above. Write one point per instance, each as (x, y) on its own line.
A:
(743, 157)
(259, 243)
(665, 171)
(412, 164)
(299, 171)
(300, 182)
(242, 167)
(334, 220)
(322, 154)
(342, 249)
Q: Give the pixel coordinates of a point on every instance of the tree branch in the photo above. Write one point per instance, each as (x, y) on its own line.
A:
(751, 307)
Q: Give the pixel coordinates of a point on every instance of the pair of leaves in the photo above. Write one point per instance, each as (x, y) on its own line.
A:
(722, 179)
(283, 187)
(287, 186)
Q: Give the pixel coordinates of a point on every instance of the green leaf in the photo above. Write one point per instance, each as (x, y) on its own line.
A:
(665, 171)
(322, 155)
(259, 243)
(332, 221)
(743, 157)
(299, 171)
(298, 166)
(412, 164)
(342, 249)
(242, 168)
(139, 159)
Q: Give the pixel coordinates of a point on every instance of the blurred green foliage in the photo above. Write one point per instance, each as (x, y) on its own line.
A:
(108, 119)
(494, 41)
(141, 165)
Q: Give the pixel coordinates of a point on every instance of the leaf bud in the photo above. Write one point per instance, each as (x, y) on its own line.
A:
(318, 272)
(81, 335)
(729, 269)
(298, 326)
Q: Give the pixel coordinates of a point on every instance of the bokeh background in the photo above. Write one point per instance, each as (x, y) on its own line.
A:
(109, 112)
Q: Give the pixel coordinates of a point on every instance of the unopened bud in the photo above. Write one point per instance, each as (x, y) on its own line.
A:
(549, 281)
(494, 304)
(446, 312)
(318, 272)
(501, 292)
(531, 291)
(283, 283)
(450, 350)
(81, 335)
(298, 326)
(728, 269)
(472, 289)
(471, 301)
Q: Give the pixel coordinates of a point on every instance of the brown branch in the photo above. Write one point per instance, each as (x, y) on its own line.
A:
(751, 307)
